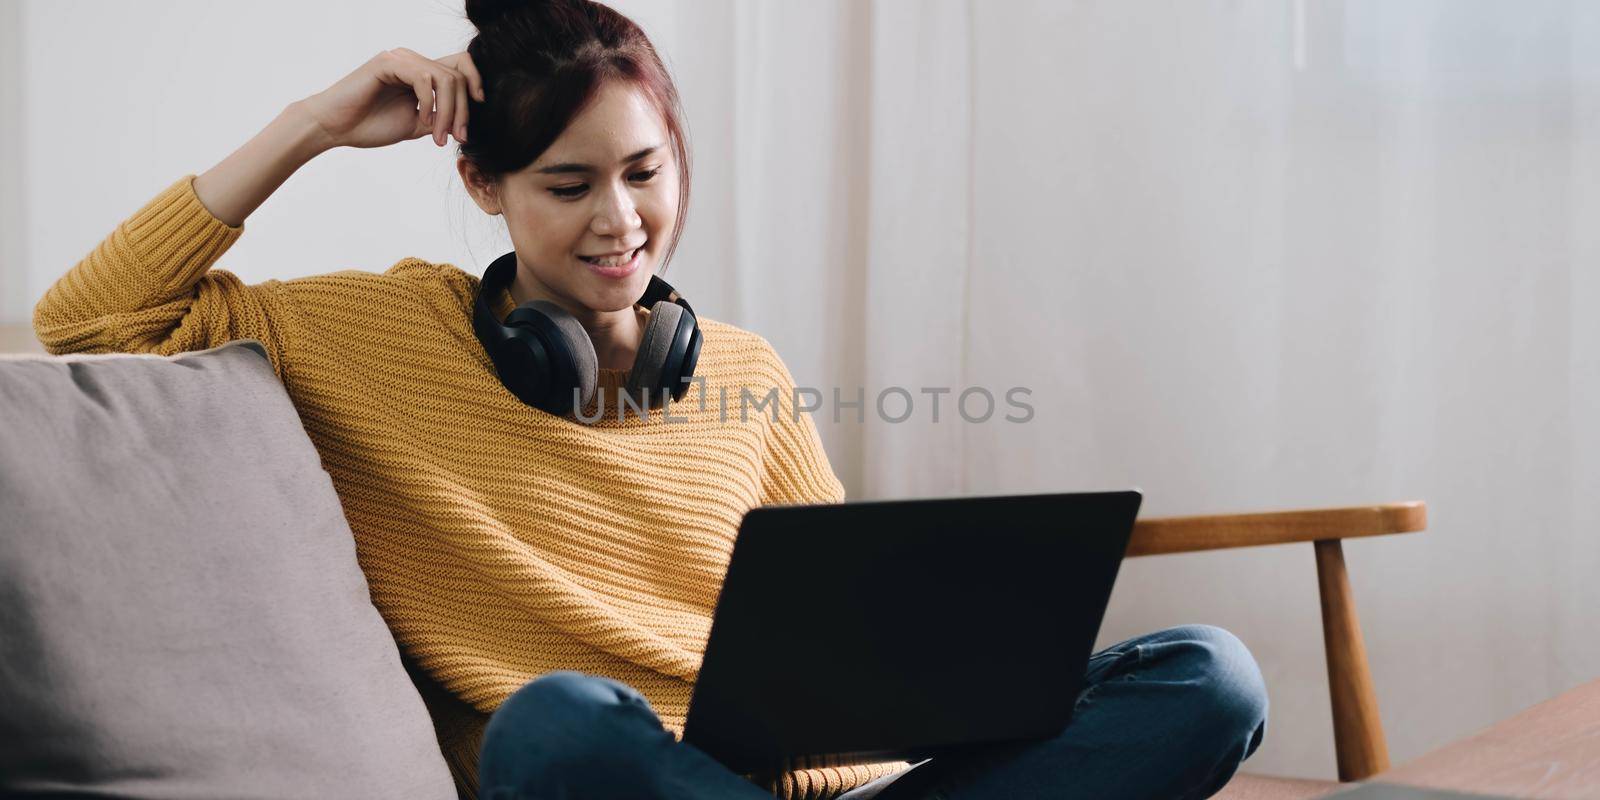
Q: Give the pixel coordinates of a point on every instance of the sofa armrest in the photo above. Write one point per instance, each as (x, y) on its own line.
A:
(1359, 741)
(1215, 532)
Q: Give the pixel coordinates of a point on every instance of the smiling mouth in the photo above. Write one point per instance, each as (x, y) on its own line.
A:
(612, 261)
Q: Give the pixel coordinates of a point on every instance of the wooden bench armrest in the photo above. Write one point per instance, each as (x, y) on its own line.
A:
(1359, 742)
(1215, 532)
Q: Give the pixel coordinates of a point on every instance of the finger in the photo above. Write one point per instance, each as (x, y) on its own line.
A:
(463, 62)
(444, 100)
(447, 98)
(424, 87)
(461, 110)
(429, 119)
(404, 71)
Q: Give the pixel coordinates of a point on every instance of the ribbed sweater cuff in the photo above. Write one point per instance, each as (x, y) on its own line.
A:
(177, 238)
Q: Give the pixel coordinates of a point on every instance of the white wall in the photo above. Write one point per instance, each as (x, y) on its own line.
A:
(14, 278)
(1247, 255)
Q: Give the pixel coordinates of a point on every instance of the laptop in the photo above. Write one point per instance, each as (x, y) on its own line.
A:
(902, 629)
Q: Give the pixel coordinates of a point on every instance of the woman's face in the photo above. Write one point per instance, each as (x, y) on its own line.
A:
(608, 183)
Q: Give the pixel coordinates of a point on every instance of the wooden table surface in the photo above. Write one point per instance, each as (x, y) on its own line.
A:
(1549, 751)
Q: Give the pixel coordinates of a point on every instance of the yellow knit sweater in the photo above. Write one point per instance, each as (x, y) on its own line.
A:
(500, 542)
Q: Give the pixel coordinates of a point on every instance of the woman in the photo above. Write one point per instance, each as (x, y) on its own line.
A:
(550, 573)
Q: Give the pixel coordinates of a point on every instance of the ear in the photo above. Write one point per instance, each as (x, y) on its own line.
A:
(484, 191)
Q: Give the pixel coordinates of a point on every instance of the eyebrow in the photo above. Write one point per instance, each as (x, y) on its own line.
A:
(557, 169)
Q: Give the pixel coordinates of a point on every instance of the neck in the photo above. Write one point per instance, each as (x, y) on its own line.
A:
(615, 334)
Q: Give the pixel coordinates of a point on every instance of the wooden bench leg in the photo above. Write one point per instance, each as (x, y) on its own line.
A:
(1357, 729)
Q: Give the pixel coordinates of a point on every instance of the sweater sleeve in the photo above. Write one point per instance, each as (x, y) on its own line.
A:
(794, 466)
(146, 288)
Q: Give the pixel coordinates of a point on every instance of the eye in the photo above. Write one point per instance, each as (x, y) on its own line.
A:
(569, 192)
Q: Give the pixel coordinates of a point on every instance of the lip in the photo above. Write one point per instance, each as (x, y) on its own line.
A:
(619, 271)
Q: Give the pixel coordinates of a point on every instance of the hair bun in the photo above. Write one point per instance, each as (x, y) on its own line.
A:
(484, 13)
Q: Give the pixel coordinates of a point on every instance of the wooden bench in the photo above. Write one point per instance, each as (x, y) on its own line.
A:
(1359, 743)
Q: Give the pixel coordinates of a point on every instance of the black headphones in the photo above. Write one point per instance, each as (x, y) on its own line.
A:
(544, 356)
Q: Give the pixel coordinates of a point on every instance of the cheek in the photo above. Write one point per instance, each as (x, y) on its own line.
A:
(663, 209)
(552, 227)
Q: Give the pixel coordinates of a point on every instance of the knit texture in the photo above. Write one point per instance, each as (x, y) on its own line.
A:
(500, 542)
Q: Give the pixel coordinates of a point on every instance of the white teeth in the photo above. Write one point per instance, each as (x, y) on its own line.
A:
(611, 261)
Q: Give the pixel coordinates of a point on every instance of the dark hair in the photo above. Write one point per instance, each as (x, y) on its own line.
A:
(544, 60)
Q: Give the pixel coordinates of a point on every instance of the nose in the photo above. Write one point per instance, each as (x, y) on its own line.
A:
(616, 214)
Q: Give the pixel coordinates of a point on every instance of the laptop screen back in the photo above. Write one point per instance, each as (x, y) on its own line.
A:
(874, 631)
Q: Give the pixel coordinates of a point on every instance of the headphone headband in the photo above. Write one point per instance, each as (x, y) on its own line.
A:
(503, 270)
(544, 353)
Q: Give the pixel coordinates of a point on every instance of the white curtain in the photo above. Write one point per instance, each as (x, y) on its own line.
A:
(1246, 256)
(1243, 255)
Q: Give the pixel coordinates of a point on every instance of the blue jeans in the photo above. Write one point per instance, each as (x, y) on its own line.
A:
(1167, 715)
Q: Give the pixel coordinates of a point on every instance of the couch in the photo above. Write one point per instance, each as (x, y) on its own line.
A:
(185, 614)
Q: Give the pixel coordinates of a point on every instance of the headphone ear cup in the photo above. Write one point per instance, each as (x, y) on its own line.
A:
(654, 348)
(691, 359)
(572, 356)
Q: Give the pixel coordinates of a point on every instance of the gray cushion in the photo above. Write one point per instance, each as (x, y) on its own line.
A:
(181, 611)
